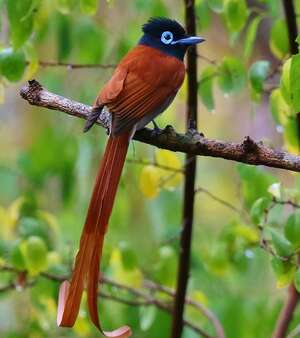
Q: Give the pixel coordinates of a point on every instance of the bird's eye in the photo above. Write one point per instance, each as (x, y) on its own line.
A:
(166, 37)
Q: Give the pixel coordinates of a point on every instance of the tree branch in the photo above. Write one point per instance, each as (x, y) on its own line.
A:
(248, 151)
(286, 314)
(138, 297)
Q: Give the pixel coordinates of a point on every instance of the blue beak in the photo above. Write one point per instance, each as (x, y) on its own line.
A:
(191, 40)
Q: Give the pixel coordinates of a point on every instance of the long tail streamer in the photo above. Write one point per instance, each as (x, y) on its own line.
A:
(86, 269)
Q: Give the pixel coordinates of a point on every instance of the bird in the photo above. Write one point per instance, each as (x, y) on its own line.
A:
(143, 85)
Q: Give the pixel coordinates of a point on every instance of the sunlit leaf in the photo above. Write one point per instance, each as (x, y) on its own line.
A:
(216, 5)
(89, 6)
(34, 251)
(65, 6)
(294, 82)
(236, 13)
(279, 42)
(149, 181)
(285, 83)
(291, 136)
(168, 179)
(297, 280)
(250, 234)
(279, 108)
(251, 36)
(284, 272)
(132, 277)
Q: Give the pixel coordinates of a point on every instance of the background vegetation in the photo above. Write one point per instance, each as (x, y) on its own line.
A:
(247, 224)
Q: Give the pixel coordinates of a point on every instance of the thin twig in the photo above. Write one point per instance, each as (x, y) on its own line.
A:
(206, 312)
(70, 65)
(142, 298)
(219, 200)
(286, 314)
(154, 164)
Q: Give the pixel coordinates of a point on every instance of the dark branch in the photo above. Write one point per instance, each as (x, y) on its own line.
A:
(286, 314)
(74, 65)
(135, 297)
(189, 181)
(191, 143)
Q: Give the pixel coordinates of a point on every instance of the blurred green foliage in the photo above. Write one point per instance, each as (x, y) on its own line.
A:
(243, 249)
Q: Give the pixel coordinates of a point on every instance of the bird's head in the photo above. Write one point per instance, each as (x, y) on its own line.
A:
(168, 36)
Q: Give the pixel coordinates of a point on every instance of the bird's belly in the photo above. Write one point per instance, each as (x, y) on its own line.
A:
(152, 115)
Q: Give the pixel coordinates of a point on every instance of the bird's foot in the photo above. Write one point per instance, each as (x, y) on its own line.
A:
(156, 127)
(156, 130)
(92, 118)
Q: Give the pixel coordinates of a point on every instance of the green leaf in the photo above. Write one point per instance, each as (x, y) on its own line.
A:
(232, 75)
(236, 14)
(206, 87)
(35, 251)
(216, 5)
(290, 135)
(258, 73)
(292, 229)
(65, 6)
(204, 14)
(147, 317)
(294, 82)
(283, 247)
(64, 36)
(89, 7)
(285, 83)
(92, 42)
(279, 108)
(20, 23)
(279, 41)
(12, 64)
(297, 280)
(284, 271)
(251, 36)
(252, 192)
(257, 211)
(129, 259)
(17, 258)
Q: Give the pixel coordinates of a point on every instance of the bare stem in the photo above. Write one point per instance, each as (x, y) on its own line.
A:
(189, 185)
(286, 314)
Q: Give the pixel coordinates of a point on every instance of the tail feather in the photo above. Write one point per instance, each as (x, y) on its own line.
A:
(86, 269)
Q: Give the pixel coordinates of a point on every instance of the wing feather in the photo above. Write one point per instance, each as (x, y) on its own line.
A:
(144, 80)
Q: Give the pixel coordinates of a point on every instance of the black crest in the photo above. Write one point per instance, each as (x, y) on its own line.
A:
(155, 27)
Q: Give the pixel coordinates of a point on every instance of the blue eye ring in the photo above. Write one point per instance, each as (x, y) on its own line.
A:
(167, 37)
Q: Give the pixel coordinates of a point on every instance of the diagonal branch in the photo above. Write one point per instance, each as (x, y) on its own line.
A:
(192, 143)
(135, 297)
